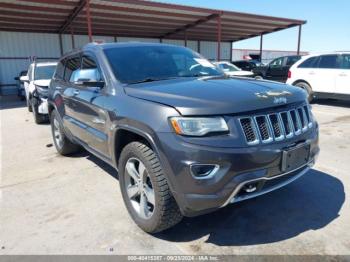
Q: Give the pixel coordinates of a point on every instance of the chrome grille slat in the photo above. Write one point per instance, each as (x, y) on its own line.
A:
(266, 128)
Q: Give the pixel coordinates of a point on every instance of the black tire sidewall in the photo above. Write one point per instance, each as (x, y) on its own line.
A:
(146, 224)
(307, 88)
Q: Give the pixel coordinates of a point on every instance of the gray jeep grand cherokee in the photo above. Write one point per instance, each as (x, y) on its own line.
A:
(185, 139)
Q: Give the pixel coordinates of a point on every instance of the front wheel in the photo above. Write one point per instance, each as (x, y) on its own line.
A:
(38, 118)
(145, 189)
(307, 88)
(63, 145)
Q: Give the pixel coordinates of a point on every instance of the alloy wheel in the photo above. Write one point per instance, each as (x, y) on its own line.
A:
(139, 188)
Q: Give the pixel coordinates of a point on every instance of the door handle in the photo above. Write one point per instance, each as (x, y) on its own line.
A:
(343, 74)
(98, 121)
(76, 92)
(312, 73)
(59, 87)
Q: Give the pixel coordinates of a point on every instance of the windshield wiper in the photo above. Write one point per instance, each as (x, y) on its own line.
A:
(150, 79)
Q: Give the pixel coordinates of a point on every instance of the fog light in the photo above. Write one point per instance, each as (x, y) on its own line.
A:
(203, 171)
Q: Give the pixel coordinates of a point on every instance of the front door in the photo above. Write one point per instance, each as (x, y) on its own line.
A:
(275, 70)
(88, 100)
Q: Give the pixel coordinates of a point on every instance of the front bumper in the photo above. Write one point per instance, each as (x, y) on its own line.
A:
(43, 106)
(260, 165)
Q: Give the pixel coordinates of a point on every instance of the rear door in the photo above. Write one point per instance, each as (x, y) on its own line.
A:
(343, 76)
(324, 76)
(88, 104)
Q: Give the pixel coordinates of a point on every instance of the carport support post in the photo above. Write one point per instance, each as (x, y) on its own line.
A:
(219, 38)
(72, 37)
(261, 46)
(60, 42)
(299, 38)
(88, 19)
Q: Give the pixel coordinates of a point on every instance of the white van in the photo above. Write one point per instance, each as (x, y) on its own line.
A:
(323, 75)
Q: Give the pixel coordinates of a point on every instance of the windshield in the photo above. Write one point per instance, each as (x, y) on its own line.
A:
(136, 64)
(44, 72)
(229, 67)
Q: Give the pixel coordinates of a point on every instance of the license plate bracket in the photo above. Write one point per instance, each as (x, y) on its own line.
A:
(295, 157)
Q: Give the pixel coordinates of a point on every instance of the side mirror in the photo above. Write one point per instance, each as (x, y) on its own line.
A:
(90, 83)
(24, 78)
(16, 78)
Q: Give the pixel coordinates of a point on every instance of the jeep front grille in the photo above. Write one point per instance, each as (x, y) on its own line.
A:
(276, 126)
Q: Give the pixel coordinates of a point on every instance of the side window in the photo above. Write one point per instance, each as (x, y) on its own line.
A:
(292, 60)
(309, 63)
(71, 69)
(277, 63)
(89, 70)
(59, 70)
(329, 61)
(345, 62)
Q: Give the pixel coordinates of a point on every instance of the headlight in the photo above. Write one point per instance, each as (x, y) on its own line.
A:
(42, 91)
(198, 126)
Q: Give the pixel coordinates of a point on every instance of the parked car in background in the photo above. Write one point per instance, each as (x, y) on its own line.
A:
(277, 69)
(185, 138)
(20, 86)
(246, 65)
(36, 84)
(323, 75)
(232, 70)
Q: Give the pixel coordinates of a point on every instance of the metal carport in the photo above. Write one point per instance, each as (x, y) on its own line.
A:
(137, 18)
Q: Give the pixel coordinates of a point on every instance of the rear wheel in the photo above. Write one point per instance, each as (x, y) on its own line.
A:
(307, 88)
(63, 145)
(145, 190)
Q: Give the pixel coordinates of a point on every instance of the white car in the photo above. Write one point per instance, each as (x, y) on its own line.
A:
(36, 84)
(232, 70)
(323, 75)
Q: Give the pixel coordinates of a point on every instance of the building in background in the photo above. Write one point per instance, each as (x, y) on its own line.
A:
(267, 55)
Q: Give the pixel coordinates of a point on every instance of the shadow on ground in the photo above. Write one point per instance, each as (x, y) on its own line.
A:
(310, 203)
(8, 102)
(332, 102)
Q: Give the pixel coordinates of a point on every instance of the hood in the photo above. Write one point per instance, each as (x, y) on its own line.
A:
(240, 73)
(216, 95)
(42, 82)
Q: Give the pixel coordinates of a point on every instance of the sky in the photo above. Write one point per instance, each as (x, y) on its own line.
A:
(327, 28)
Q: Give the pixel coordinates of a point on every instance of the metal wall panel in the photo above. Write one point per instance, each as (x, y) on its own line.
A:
(137, 39)
(14, 44)
(209, 50)
(20, 44)
(174, 42)
(193, 45)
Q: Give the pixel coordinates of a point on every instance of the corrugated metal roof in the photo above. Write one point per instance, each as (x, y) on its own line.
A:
(136, 18)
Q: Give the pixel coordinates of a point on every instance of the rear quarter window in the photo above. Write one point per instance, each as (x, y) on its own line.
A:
(309, 63)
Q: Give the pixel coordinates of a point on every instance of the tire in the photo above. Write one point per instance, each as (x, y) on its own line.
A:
(160, 211)
(38, 118)
(258, 77)
(29, 106)
(63, 145)
(307, 88)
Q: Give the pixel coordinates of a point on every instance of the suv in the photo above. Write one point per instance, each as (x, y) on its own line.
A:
(36, 83)
(277, 69)
(323, 76)
(185, 139)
